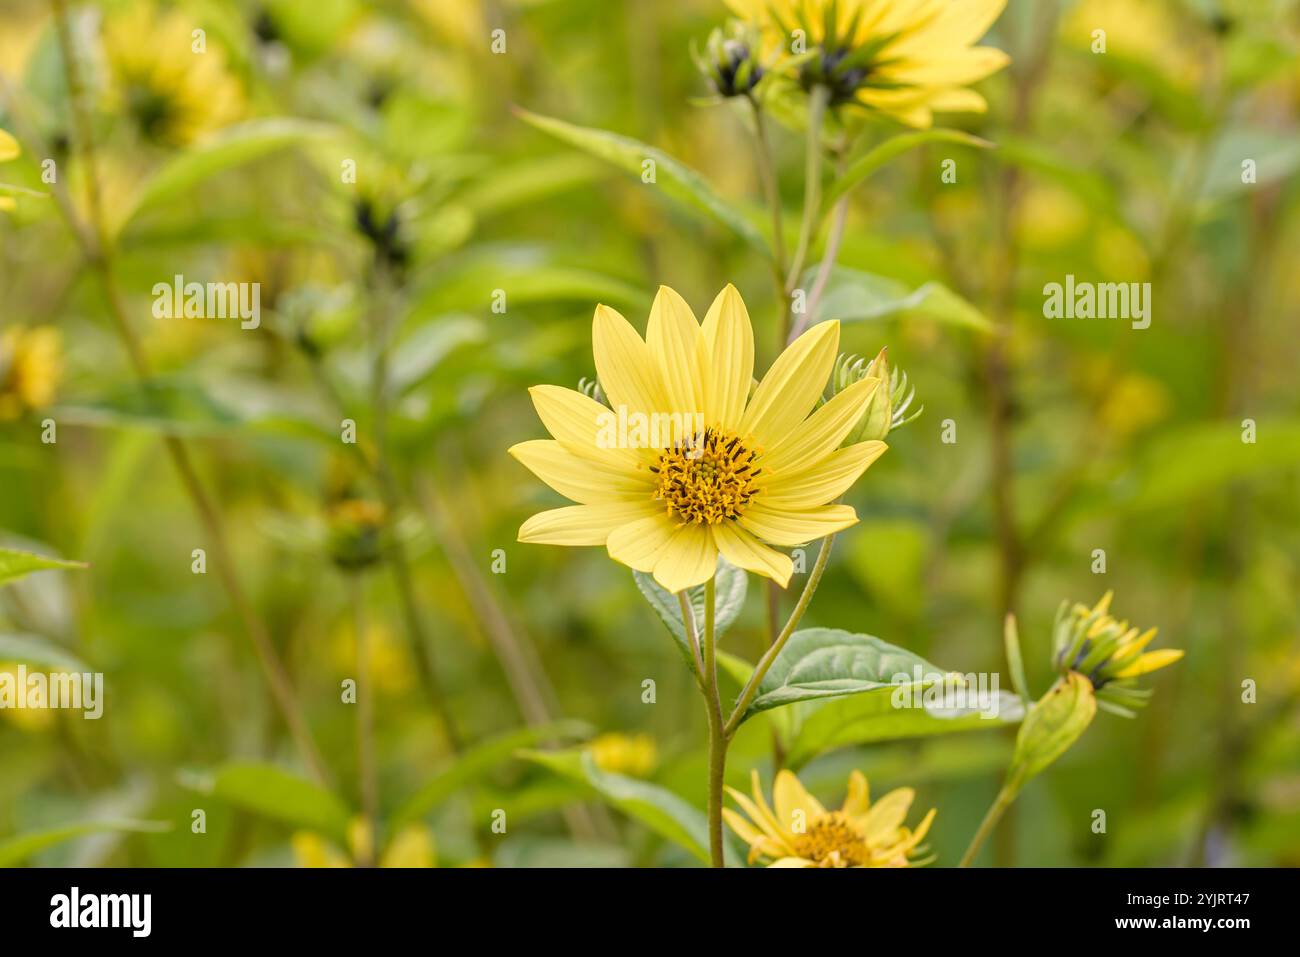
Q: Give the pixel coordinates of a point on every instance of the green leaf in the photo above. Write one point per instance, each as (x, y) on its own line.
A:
(659, 809)
(866, 718)
(865, 166)
(276, 794)
(478, 760)
(676, 179)
(855, 296)
(830, 662)
(731, 584)
(16, 850)
(35, 650)
(1087, 184)
(234, 146)
(15, 564)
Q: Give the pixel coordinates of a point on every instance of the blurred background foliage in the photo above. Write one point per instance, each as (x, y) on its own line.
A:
(1124, 166)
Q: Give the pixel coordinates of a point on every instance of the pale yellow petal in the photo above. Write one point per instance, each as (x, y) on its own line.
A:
(584, 426)
(584, 524)
(744, 830)
(760, 815)
(8, 147)
(790, 796)
(778, 526)
(858, 800)
(639, 544)
(886, 815)
(728, 360)
(744, 551)
(823, 431)
(626, 370)
(586, 481)
(689, 559)
(792, 386)
(826, 481)
(674, 339)
(792, 862)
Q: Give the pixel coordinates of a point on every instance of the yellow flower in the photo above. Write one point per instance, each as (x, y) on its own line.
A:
(634, 754)
(796, 831)
(30, 369)
(1108, 653)
(904, 59)
(685, 463)
(9, 149)
(412, 846)
(173, 85)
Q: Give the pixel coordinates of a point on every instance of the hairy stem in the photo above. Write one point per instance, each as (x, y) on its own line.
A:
(765, 663)
(717, 734)
(995, 812)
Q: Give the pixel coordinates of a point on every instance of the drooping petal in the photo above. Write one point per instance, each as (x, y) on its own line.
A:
(728, 360)
(823, 482)
(586, 481)
(639, 544)
(785, 527)
(626, 370)
(744, 551)
(674, 339)
(792, 386)
(583, 524)
(789, 795)
(689, 559)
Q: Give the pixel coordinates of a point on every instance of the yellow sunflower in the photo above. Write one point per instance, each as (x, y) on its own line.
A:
(170, 89)
(796, 831)
(685, 463)
(904, 59)
(30, 368)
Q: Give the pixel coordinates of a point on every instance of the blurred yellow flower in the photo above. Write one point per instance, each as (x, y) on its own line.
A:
(634, 755)
(9, 149)
(166, 77)
(25, 719)
(30, 369)
(412, 846)
(686, 463)
(796, 831)
(904, 59)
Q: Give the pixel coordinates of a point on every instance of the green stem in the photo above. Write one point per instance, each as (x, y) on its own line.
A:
(995, 812)
(767, 174)
(812, 195)
(365, 724)
(717, 735)
(769, 656)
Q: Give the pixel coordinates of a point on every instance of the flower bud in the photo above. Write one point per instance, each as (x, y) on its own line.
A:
(1052, 725)
(730, 60)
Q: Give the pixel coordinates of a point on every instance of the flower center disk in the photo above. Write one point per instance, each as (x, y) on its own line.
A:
(706, 480)
(832, 841)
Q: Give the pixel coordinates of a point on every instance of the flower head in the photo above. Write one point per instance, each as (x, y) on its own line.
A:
(356, 533)
(685, 463)
(1107, 652)
(796, 831)
(634, 755)
(731, 61)
(904, 59)
(30, 368)
(173, 87)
